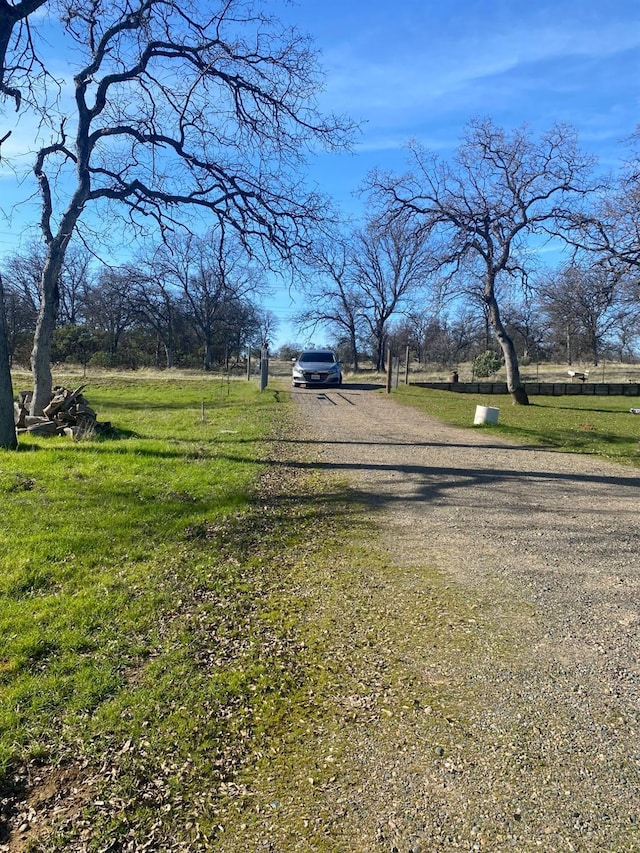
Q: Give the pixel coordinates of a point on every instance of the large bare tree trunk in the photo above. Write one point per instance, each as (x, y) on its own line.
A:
(46, 323)
(8, 438)
(514, 383)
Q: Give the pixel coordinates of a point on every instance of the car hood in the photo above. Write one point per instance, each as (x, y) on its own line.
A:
(316, 366)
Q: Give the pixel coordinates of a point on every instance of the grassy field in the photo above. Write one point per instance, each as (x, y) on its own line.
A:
(152, 623)
(143, 625)
(603, 426)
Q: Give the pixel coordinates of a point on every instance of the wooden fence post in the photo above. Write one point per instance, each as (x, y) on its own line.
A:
(264, 368)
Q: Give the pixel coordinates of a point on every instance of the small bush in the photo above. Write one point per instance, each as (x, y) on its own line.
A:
(486, 364)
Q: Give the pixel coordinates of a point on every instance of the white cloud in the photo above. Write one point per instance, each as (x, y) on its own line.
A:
(423, 70)
(366, 75)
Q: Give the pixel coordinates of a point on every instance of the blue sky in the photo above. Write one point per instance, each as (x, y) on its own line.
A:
(422, 68)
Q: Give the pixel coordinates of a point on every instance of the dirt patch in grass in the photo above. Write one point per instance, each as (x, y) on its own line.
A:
(42, 796)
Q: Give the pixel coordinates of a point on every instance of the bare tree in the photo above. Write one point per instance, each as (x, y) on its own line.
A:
(265, 325)
(108, 305)
(180, 105)
(330, 294)
(19, 324)
(390, 262)
(444, 339)
(467, 333)
(23, 273)
(524, 325)
(75, 284)
(481, 210)
(584, 306)
(208, 272)
(156, 304)
(610, 231)
(19, 64)
(625, 343)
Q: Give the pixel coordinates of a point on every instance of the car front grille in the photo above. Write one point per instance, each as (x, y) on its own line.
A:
(309, 376)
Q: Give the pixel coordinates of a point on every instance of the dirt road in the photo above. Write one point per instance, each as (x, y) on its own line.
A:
(530, 740)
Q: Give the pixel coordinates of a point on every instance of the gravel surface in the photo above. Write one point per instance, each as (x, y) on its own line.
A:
(519, 731)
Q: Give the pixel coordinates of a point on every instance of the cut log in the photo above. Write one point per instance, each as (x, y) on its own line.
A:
(74, 396)
(34, 420)
(84, 409)
(65, 418)
(43, 428)
(58, 403)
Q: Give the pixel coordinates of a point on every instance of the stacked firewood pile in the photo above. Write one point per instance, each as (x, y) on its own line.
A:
(68, 413)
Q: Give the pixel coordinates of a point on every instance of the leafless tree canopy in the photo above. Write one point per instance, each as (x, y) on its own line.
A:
(208, 272)
(362, 279)
(610, 230)
(19, 63)
(481, 210)
(183, 112)
(176, 107)
(330, 293)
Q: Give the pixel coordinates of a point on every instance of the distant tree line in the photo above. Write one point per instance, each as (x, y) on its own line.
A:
(190, 303)
(574, 315)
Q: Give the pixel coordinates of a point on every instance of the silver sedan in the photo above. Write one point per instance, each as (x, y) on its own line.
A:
(316, 367)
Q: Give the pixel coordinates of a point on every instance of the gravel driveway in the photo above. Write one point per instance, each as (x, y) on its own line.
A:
(530, 740)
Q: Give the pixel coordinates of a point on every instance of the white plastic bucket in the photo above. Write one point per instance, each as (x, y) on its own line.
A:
(486, 415)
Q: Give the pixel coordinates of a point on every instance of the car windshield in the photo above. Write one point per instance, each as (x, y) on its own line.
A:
(317, 357)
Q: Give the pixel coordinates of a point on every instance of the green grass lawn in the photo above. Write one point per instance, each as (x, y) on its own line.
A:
(142, 627)
(85, 525)
(603, 426)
